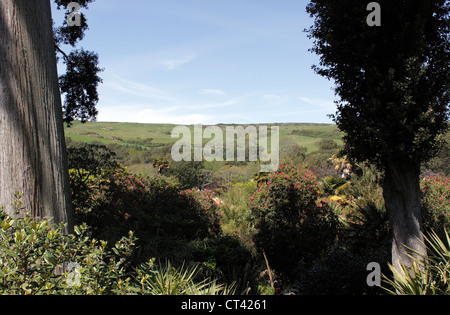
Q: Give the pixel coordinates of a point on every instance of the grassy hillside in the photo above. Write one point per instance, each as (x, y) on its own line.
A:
(157, 135)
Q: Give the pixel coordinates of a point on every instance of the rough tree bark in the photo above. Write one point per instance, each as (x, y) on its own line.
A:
(32, 146)
(401, 190)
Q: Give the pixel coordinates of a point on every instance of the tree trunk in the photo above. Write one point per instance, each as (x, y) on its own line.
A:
(401, 190)
(32, 147)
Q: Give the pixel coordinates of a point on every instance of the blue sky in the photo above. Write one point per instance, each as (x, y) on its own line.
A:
(206, 62)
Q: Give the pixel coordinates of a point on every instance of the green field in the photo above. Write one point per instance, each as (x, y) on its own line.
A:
(149, 136)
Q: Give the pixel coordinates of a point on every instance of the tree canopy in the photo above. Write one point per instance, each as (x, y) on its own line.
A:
(81, 80)
(392, 80)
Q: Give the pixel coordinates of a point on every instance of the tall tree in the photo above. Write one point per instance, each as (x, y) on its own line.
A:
(32, 148)
(393, 84)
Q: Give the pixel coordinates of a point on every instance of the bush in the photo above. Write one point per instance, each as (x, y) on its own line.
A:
(162, 216)
(224, 258)
(188, 173)
(333, 185)
(327, 144)
(365, 227)
(360, 206)
(234, 205)
(290, 223)
(436, 204)
(168, 280)
(37, 258)
(203, 203)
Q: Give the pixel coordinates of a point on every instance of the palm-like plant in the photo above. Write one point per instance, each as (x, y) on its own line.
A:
(368, 225)
(333, 185)
(427, 275)
(168, 280)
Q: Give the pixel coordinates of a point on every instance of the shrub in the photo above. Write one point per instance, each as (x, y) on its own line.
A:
(168, 280)
(89, 159)
(327, 144)
(37, 258)
(203, 203)
(333, 185)
(189, 173)
(290, 223)
(360, 206)
(162, 216)
(234, 205)
(224, 258)
(364, 227)
(436, 204)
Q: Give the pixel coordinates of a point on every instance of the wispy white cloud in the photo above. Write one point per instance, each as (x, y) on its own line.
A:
(210, 105)
(133, 88)
(128, 100)
(275, 99)
(172, 64)
(319, 104)
(211, 92)
(140, 114)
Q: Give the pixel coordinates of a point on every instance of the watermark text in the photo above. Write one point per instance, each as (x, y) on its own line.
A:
(74, 18)
(374, 18)
(243, 144)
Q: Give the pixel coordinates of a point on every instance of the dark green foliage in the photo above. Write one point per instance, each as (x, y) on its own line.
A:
(188, 173)
(367, 228)
(81, 80)
(393, 83)
(338, 272)
(33, 252)
(85, 162)
(300, 235)
(71, 35)
(392, 80)
(226, 259)
(80, 85)
(89, 160)
(66, 34)
(327, 144)
(441, 163)
(162, 216)
(39, 259)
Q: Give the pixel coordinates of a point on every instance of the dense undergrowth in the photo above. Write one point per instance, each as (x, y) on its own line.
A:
(290, 231)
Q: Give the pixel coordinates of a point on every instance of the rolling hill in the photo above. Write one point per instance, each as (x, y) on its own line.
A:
(149, 136)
